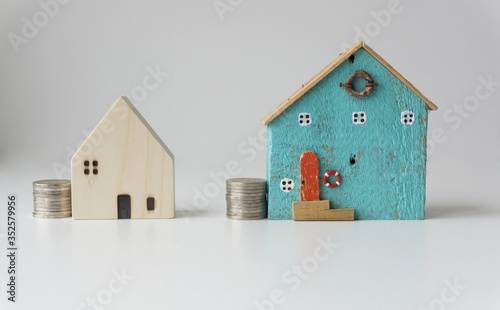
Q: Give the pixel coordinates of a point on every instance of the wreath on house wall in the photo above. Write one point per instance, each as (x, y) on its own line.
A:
(368, 87)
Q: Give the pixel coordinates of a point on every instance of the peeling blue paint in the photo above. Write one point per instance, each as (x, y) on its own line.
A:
(387, 179)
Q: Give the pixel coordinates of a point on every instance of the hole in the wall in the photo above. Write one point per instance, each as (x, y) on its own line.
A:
(352, 161)
(358, 84)
(351, 58)
(150, 202)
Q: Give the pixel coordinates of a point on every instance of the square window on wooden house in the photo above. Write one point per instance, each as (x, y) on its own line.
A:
(407, 117)
(305, 119)
(359, 118)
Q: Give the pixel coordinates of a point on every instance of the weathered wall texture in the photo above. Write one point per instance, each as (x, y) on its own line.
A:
(382, 161)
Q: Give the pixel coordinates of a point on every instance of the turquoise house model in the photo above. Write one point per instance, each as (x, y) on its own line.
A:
(364, 121)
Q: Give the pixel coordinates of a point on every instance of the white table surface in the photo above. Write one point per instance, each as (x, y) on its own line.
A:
(202, 260)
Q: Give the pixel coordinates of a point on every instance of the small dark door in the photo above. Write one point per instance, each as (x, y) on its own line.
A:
(124, 210)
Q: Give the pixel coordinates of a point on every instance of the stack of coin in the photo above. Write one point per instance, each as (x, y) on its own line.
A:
(52, 199)
(246, 199)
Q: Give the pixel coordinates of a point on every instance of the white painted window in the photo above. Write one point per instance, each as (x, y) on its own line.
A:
(304, 119)
(407, 117)
(359, 118)
(286, 185)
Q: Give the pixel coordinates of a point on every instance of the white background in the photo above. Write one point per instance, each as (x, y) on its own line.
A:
(227, 70)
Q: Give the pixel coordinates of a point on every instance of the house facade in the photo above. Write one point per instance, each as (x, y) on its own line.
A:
(123, 170)
(377, 143)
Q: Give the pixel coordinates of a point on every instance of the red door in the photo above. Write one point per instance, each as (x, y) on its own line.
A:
(309, 181)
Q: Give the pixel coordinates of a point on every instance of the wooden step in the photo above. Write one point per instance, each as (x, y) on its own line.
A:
(319, 210)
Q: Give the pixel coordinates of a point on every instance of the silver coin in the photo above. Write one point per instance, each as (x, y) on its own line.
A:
(45, 212)
(52, 184)
(246, 188)
(65, 212)
(246, 194)
(245, 180)
(52, 207)
(248, 216)
(246, 185)
(54, 188)
(246, 209)
(246, 212)
(246, 203)
(52, 203)
(53, 194)
(247, 199)
(64, 209)
(254, 184)
(254, 210)
(244, 218)
(60, 207)
(57, 216)
(249, 207)
(52, 212)
(51, 188)
(43, 192)
(53, 198)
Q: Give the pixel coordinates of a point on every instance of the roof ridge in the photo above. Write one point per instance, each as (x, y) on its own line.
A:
(136, 112)
(145, 123)
(329, 68)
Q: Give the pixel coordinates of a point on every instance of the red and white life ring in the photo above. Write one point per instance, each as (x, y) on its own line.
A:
(329, 174)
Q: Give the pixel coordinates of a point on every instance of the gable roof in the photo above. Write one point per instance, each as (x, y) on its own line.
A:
(296, 96)
(124, 101)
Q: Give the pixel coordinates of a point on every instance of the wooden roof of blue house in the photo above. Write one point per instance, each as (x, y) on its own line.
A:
(334, 64)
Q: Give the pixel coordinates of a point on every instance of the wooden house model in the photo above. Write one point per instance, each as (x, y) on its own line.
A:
(123, 170)
(367, 126)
